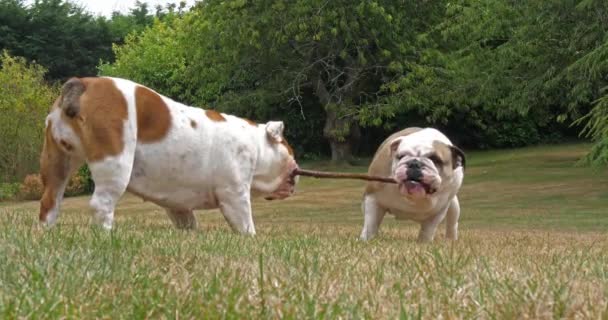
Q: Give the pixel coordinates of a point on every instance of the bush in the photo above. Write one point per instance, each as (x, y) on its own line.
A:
(84, 175)
(155, 58)
(32, 188)
(8, 191)
(75, 187)
(24, 103)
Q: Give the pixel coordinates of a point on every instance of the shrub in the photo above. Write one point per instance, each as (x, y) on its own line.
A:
(24, 102)
(32, 189)
(87, 180)
(8, 191)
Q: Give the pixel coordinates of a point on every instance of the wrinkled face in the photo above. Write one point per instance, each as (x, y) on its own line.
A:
(281, 164)
(422, 168)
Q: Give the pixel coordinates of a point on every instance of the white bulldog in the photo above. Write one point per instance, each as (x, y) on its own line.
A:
(429, 171)
(179, 157)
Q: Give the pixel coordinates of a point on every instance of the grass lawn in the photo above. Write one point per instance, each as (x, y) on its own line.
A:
(533, 245)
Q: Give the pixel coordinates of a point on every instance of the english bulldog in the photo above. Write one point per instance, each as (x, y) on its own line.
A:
(179, 157)
(429, 171)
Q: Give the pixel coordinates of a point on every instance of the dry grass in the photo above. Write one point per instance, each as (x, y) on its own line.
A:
(532, 246)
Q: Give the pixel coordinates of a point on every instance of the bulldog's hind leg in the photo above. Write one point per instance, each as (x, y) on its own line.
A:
(373, 214)
(182, 218)
(451, 224)
(236, 208)
(111, 177)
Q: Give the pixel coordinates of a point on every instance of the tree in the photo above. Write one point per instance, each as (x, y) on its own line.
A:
(56, 34)
(64, 38)
(156, 58)
(135, 21)
(491, 73)
(342, 51)
(507, 70)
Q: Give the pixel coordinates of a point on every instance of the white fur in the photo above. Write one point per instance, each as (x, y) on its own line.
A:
(212, 164)
(431, 210)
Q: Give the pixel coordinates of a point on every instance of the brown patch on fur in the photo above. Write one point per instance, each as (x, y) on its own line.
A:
(251, 122)
(193, 124)
(214, 115)
(100, 121)
(54, 170)
(381, 163)
(451, 156)
(153, 116)
(443, 152)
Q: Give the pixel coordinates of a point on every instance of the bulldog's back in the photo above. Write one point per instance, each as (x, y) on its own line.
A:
(179, 157)
(182, 154)
(200, 153)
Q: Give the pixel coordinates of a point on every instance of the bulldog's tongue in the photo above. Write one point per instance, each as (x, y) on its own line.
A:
(412, 187)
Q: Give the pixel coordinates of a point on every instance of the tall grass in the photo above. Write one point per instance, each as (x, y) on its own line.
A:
(145, 270)
(533, 246)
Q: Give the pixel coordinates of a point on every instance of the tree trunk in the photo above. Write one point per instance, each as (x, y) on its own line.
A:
(342, 132)
(341, 152)
(343, 135)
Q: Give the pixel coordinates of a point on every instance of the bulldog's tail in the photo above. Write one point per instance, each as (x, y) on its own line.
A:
(70, 93)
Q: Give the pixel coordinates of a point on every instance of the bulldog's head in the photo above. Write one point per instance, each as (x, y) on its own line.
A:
(274, 175)
(424, 167)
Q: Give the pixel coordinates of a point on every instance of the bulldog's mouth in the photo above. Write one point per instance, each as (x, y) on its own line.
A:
(416, 187)
(287, 188)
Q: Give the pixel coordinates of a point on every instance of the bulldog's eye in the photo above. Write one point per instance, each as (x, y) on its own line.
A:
(400, 156)
(436, 160)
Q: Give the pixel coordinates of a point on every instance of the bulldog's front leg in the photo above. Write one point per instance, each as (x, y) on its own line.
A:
(429, 227)
(373, 214)
(236, 208)
(451, 223)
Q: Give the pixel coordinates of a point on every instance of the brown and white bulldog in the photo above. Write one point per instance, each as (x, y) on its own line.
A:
(179, 157)
(429, 171)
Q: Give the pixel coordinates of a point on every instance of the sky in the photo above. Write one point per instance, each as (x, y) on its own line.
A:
(105, 7)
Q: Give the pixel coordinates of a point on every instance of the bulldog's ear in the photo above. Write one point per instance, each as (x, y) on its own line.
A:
(274, 130)
(458, 157)
(395, 145)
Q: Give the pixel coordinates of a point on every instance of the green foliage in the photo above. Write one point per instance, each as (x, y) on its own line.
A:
(24, 101)
(84, 175)
(594, 67)
(8, 190)
(493, 73)
(57, 34)
(265, 57)
(140, 17)
(61, 36)
(489, 63)
(156, 58)
(597, 128)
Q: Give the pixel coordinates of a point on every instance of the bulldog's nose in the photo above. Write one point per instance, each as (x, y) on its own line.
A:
(414, 164)
(414, 171)
(414, 174)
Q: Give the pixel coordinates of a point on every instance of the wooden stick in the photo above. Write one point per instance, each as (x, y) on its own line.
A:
(341, 175)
